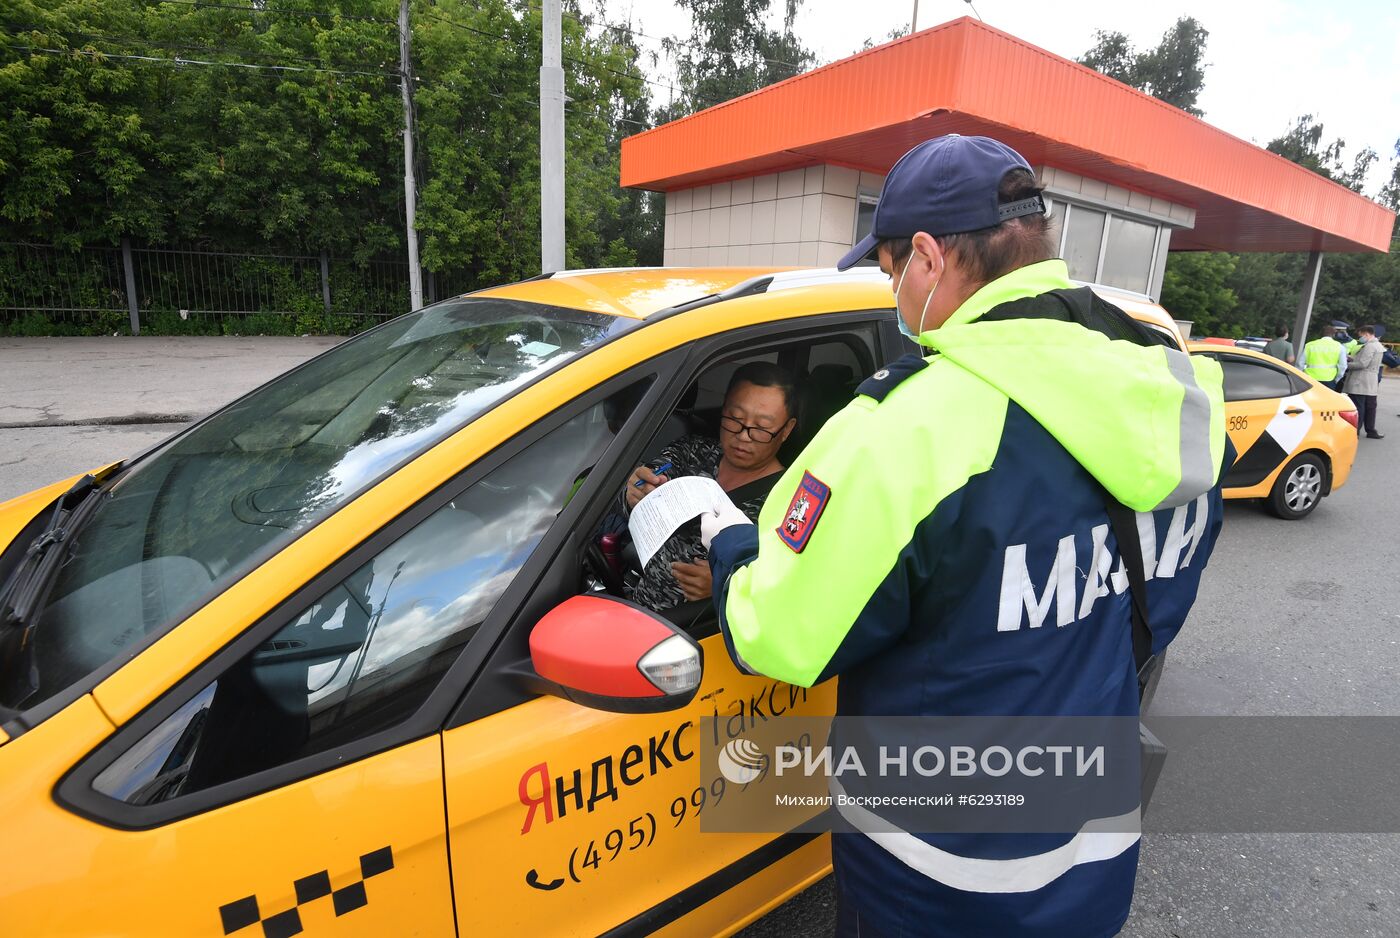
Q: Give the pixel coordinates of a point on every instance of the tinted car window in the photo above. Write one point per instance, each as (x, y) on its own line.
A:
(1248, 381)
(193, 516)
(366, 654)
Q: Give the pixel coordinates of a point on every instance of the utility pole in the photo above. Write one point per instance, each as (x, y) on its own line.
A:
(552, 142)
(415, 274)
(914, 20)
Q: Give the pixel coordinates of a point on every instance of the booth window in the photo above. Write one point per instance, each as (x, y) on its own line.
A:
(1105, 247)
(1128, 256)
(865, 215)
(1083, 241)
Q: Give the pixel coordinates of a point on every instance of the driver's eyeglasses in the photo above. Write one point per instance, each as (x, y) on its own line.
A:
(757, 434)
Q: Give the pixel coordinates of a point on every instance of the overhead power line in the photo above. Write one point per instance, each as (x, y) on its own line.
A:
(99, 54)
(418, 79)
(586, 20)
(604, 24)
(176, 46)
(243, 8)
(435, 83)
(368, 71)
(571, 61)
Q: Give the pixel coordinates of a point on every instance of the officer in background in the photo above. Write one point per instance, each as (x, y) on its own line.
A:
(944, 543)
(1324, 359)
(1348, 344)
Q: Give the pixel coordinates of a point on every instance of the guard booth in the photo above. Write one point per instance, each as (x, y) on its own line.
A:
(789, 174)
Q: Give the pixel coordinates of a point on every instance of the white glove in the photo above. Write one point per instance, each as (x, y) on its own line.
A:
(723, 514)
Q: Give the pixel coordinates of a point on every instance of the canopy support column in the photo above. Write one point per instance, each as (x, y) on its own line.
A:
(1305, 301)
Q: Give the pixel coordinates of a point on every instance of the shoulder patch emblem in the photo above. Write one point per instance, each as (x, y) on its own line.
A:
(889, 377)
(803, 512)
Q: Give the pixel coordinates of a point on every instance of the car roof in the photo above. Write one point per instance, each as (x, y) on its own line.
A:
(641, 292)
(644, 292)
(1215, 348)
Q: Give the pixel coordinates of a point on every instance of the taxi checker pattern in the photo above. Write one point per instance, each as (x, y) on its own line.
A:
(1276, 445)
(241, 913)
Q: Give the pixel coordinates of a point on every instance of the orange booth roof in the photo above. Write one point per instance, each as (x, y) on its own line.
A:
(966, 77)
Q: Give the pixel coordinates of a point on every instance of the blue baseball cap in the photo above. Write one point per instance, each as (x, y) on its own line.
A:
(947, 185)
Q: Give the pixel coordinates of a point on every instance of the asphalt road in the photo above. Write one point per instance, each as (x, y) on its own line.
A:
(1293, 618)
(69, 405)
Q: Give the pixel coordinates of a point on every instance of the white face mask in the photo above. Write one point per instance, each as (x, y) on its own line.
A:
(903, 327)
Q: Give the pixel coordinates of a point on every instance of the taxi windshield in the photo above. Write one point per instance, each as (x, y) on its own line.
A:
(191, 517)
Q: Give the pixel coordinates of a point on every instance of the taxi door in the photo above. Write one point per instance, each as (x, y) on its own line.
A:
(565, 820)
(1266, 417)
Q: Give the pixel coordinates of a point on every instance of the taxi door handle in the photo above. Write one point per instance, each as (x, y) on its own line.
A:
(1293, 411)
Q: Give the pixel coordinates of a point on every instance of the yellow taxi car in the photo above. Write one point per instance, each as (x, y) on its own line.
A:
(344, 658)
(314, 665)
(1294, 439)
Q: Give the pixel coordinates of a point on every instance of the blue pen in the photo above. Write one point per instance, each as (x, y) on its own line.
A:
(659, 470)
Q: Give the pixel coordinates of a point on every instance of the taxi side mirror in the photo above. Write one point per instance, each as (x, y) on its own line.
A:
(610, 654)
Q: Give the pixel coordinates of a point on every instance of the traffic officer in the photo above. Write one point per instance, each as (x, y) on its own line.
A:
(944, 543)
(1323, 359)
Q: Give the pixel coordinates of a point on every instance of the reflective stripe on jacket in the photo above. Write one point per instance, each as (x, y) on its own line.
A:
(1321, 356)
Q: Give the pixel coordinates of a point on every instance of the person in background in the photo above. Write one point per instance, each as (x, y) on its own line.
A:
(1324, 359)
(1280, 347)
(758, 416)
(1348, 343)
(1363, 380)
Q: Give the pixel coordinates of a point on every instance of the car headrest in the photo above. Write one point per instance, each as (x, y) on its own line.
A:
(820, 394)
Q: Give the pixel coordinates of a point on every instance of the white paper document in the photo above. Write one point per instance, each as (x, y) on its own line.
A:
(667, 507)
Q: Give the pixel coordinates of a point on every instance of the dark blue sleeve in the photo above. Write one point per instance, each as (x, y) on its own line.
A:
(731, 549)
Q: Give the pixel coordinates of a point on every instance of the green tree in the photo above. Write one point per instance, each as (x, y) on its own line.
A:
(110, 135)
(1390, 191)
(75, 151)
(1114, 55)
(1248, 294)
(1173, 71)
(303, 160)
(731, 51)
(1302, 144)
(1195, 287)
(479, 127)
(279, 128)
(1267, 286)
(1354, 287)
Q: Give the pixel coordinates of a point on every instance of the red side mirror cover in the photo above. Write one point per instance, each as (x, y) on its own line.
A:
(593, 643)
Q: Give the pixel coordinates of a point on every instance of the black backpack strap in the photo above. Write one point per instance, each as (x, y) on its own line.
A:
(1124, 524)
(1083, 306)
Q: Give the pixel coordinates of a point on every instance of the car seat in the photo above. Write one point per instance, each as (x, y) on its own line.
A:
(820, 394)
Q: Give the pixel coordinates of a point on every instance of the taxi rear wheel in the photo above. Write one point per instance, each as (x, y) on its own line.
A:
(1298, 488)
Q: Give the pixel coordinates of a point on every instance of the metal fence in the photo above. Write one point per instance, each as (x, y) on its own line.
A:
(107, 289)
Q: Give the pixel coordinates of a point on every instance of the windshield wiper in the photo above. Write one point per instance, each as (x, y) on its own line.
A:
(24, 592)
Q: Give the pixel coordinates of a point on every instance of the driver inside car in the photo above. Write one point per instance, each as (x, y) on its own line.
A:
(757, 417)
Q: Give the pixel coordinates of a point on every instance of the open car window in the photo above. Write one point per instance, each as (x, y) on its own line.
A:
(827, 369)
